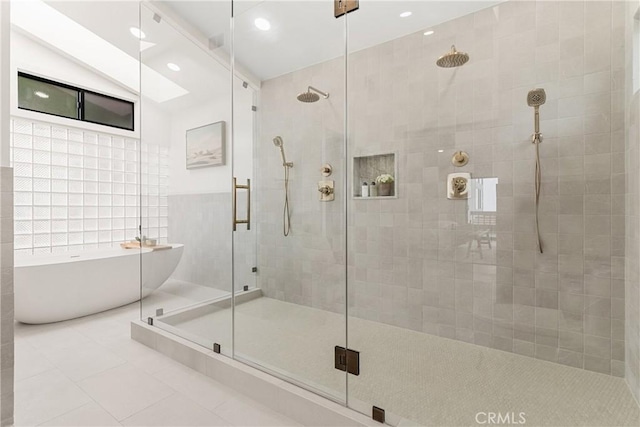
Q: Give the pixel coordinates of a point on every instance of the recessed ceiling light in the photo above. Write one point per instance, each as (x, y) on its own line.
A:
(428, 33)
(173, 67)
(405, 14)
(262, 24)
(41, 94)
(440, 151)
(137, 33)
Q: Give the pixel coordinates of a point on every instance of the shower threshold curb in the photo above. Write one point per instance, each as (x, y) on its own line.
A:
(290, 400)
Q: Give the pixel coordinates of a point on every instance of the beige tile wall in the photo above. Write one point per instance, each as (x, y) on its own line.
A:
(409, 259)
(308, 266)
(201, 223)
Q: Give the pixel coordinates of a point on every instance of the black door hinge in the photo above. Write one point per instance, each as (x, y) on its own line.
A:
(377, 414)
(347, 360)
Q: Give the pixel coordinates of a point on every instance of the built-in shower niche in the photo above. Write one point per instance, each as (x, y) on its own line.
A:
(368, 168)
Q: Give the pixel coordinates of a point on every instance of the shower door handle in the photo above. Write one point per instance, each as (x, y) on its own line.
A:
(234, 194)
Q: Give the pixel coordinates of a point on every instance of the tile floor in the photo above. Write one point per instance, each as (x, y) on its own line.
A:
(431, 380)
(88, 372)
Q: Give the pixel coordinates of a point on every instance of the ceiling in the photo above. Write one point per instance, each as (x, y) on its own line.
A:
(302, 33)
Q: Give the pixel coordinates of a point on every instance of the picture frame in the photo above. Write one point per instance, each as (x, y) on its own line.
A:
(205, 146)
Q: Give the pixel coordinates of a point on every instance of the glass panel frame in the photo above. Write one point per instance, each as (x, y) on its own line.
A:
(196, 302)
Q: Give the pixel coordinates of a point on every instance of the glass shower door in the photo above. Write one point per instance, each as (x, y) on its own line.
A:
(292, 322)
(243, 198)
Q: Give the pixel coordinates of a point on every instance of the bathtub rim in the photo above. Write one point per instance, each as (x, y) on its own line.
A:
(37, 260)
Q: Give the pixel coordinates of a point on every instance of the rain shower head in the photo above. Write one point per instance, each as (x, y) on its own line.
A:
(536, 97)
(309, 96)
(452, 59)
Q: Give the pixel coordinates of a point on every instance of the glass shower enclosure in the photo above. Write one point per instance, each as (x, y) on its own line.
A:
(360, 220)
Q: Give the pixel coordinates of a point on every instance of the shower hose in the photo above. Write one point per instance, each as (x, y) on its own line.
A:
(286, 215)
(538, 181)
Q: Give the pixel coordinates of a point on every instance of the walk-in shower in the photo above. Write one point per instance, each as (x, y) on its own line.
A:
(434, 310)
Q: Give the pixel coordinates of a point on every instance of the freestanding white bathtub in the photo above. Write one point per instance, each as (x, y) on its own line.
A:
(55, 287)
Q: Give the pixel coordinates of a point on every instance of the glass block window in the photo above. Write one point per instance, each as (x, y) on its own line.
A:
(78, 190)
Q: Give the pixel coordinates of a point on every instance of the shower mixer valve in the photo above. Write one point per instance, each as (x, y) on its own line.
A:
(458, 186)
(325, 188)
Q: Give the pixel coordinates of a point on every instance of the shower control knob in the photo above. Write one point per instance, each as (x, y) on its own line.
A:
(326, 190)
(326, 169)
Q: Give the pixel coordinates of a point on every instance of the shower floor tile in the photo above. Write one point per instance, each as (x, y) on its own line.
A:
(428, 379)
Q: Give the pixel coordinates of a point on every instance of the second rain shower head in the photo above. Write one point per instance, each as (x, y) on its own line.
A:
(310, 96)
(452, 59)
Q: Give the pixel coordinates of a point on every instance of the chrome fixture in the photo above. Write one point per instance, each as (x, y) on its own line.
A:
(452, 59)
(326, 170)
(286, 215)
(309, 96)
(535, 98)
(460, 158)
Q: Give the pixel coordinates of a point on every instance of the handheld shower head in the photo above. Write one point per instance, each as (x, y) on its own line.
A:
(309, 96)
(536, 97)
(278, 142)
